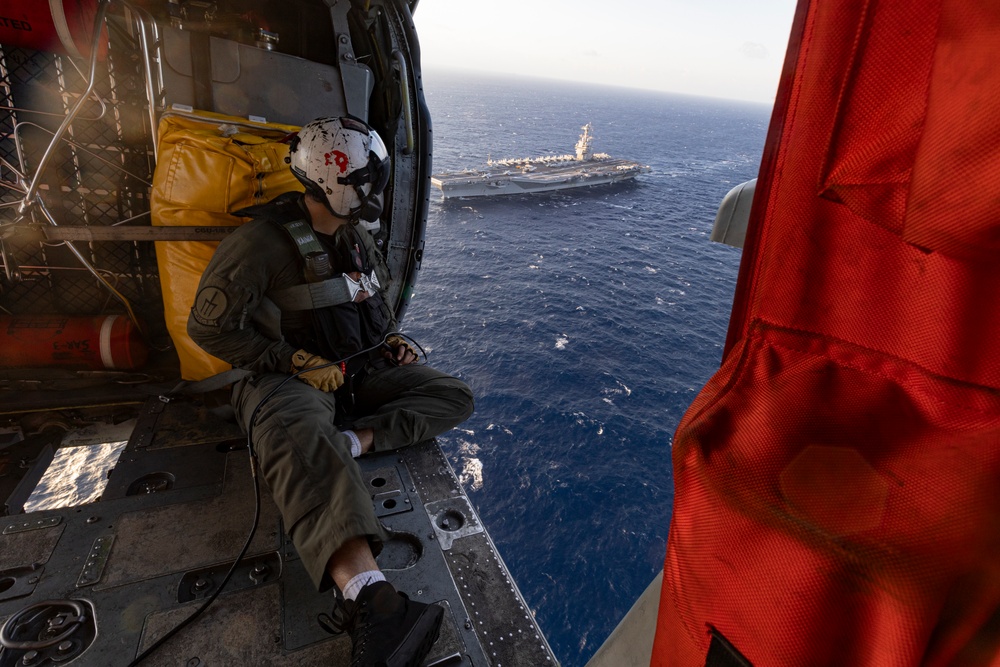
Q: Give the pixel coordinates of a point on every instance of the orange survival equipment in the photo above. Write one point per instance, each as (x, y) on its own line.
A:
(57, 26)
(105, 342)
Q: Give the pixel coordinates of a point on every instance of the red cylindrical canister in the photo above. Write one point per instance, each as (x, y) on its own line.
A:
(58, 26)
(107, 342)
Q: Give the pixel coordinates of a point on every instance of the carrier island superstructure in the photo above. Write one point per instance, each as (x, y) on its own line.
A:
(540, 174)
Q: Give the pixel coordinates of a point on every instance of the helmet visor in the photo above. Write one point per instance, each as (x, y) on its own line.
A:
(375, 172)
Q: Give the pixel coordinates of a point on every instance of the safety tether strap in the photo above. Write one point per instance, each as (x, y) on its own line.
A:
(311, 296)
(211, 383)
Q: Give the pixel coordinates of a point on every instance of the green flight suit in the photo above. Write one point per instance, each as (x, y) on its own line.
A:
(304, 458)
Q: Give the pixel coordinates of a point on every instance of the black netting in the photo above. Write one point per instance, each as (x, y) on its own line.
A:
(98, 175)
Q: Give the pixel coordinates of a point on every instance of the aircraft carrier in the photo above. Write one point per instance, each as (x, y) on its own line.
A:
(540, 174)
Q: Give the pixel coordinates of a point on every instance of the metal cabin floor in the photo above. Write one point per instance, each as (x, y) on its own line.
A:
(97, 584)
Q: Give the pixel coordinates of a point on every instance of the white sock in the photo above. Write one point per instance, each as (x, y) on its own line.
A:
(359, 581)
(355, 443)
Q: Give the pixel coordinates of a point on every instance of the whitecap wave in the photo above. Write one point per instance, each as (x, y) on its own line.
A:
(499, 427)
(471, 476)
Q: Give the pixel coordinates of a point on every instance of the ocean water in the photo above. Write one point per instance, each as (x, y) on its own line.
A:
(585, 322)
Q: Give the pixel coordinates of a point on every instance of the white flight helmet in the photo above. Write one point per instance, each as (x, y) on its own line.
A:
(343, 162)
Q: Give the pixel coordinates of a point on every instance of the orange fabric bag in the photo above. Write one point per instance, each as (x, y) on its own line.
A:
(837, 482)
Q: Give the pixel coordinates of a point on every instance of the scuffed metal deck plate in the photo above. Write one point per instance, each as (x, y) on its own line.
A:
(244, 629)
(138, 554)
(22, 546)
(156, 539)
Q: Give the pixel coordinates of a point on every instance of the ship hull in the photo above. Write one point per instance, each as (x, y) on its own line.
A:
(492, 184)
(489, 187)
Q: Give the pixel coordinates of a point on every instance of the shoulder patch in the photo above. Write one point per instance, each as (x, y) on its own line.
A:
(209, 306)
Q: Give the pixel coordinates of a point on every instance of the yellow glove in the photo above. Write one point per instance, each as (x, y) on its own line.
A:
(324, 379)
(408, 355)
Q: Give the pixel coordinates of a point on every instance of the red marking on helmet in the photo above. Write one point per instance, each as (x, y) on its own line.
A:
(339, 158)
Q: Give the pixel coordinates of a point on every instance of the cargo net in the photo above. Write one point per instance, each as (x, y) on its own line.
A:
(99, 175)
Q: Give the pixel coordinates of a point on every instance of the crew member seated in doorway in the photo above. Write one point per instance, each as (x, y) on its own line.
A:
(298, 289)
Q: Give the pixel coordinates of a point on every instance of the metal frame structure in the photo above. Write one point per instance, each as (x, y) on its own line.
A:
(98, 584)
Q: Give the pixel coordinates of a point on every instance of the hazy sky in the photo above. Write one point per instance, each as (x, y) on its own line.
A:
(719, 48)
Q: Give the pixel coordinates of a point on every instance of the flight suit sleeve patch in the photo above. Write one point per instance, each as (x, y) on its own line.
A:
(210, 306)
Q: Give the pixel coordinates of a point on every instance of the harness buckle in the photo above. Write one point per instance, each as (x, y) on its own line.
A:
(366, 283)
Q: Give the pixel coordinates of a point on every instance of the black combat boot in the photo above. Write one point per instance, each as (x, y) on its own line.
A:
(387, 629)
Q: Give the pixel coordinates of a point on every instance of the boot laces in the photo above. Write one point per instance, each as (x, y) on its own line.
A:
(349, 619)
(343, 619)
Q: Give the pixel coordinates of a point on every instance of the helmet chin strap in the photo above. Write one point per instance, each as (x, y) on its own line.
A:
(316, 193)
(353, 216)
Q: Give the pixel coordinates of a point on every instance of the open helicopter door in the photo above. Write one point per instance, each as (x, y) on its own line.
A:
(838, 479)
(205, 91)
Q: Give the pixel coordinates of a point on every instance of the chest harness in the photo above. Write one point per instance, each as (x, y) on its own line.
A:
(320, 290)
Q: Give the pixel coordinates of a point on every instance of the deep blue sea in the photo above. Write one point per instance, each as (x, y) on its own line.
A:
(585, 322)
